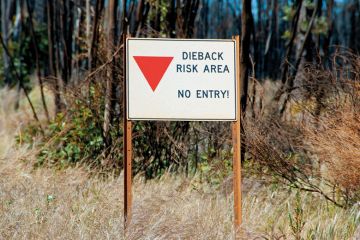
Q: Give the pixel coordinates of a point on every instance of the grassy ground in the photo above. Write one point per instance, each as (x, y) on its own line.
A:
(68, 204)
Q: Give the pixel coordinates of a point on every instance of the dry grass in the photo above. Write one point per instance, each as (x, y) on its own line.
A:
(49, 204)
(337, 145)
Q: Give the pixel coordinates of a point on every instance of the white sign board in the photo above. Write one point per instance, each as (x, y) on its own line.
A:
(181, 80)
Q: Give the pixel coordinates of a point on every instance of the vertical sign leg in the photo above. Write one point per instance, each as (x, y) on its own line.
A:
(127, 172)
(237, 173)
(236, 135)
(127, 144)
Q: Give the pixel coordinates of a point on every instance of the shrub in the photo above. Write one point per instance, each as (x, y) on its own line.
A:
(317, 149)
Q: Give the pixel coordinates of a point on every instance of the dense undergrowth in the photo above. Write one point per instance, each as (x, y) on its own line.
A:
(41, 201)
(313, 146)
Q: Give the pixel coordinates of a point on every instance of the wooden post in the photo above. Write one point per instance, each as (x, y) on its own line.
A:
(236, 135)
(127, 147)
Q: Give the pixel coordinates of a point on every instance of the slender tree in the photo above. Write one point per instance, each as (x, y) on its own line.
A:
(37, 60)
(109, 95)
(290, 45)
(51, 44)
(20, 80)
(5, 4)
(171, 20)
(67, 29)
(246, 23)
(330, 25)
(95, 34)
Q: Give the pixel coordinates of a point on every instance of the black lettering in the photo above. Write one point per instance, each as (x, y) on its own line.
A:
(184, 93)
(178, 68)
(207, 56)
(188, 68)
(220, 57)
(205, 94)
(193, 56)
(206, 69)
(210, 93)
(213, 56)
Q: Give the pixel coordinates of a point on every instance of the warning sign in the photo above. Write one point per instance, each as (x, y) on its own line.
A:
(181, 80)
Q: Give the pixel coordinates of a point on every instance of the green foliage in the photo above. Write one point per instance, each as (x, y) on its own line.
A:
(289, 13)
(68, 139)
(296, 217)
(159, 7)
(309, 4)
(304, 25)
(215, 170)
(158, 147)
(286, 35)
(320, 26)
(50, 198)
(76, 138)
(28, 135)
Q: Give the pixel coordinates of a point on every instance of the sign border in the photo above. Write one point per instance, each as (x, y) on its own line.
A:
(180, 119)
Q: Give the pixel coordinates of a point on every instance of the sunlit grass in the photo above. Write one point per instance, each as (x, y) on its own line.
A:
(68, 204)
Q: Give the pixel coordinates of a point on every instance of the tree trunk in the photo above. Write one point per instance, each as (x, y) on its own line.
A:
(124, 19)
(246, 23)
(291, 80)
(354, 32)
(52, 66)
(21, 28)
(88, 23)
(326, 44)
(95, 35)
(109, 95)
(4, 29)
(37, 61)
(171, 20)
(19, 79)
(67, 27)
(158, 16)
(274, 40)
(246, 18)
(139, 16)
(290, 45)
(259, 37)
(308, 42)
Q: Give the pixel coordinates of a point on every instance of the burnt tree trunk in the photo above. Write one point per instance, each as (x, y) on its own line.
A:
(95, 34)
(52, 65)
(326, 44)
(171, 20)
(4, 30)
(246, 24)
(109, 96)
(37, 61)
(290, 45)
(67, 27)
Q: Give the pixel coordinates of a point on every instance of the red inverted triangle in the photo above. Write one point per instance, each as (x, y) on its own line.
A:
(153, 68)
